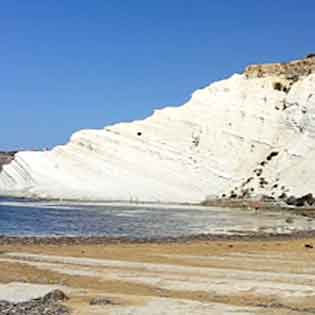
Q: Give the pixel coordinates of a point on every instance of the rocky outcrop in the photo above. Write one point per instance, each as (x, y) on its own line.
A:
(6, 158)
(250, 135)
(304, 201)
(48, 305)
(291, 70)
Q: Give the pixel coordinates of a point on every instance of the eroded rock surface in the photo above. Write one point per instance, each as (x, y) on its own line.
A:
(6, 158)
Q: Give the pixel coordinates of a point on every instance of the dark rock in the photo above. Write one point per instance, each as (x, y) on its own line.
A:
(309, 199)
(300, 202)
(262, 182)
(248, 180)
(305, 200)
(101, 301)
(291, 201)
(308, 246)
(278, 86)
(272, 155)
(245, 193)
(258, 172)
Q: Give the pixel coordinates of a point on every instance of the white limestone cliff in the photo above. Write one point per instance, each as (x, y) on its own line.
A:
(250, 134)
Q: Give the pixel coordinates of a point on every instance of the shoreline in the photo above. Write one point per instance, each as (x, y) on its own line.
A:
(253, 202)
(250, 204)
(197, 238)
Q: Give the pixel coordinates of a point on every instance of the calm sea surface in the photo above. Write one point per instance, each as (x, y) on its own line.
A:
(145, 221)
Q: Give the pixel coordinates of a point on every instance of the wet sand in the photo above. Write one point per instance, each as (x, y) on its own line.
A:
(244, 276)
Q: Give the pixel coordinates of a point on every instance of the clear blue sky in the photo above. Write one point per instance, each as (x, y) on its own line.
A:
(73, 64)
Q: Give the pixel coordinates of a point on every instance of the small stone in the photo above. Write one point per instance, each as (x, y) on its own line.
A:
(308, 246)
(101, 301)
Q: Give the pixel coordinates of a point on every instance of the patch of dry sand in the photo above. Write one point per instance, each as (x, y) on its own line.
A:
(255, 277)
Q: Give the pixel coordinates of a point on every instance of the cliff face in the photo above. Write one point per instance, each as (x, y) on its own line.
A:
(248, 135)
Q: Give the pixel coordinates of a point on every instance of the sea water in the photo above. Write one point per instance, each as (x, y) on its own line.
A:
(25, 218)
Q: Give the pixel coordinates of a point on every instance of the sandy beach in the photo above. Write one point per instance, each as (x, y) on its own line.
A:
(257, 276)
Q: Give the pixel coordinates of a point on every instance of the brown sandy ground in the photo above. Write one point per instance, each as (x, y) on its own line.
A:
(197, 277)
